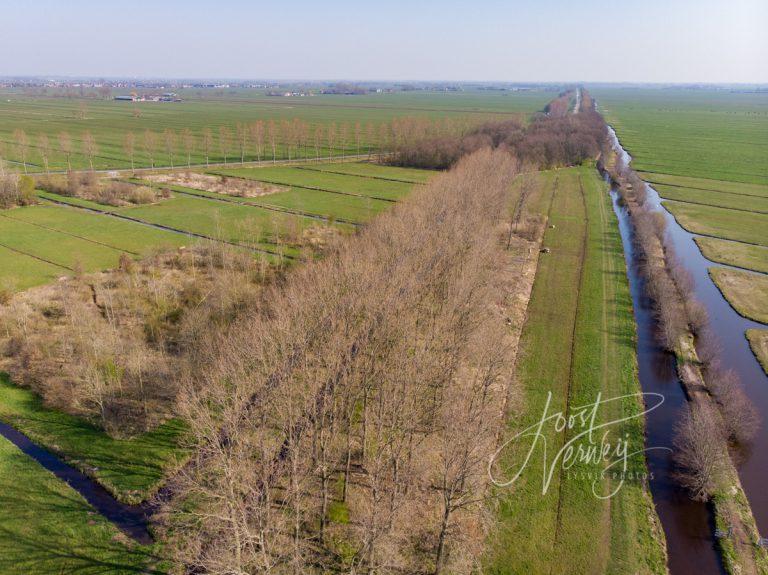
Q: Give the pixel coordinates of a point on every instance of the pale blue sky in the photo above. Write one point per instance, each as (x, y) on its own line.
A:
(538, 40)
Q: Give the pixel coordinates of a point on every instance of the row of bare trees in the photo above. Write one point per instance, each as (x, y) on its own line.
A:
(346, 423)
(261, 140)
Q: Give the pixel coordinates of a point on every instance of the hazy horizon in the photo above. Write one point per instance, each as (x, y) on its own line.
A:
(595, 41)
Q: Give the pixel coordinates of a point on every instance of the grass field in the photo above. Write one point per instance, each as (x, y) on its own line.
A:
(734, 253)
(723, 223)
(578, 340)
(131, 469)
(734, 201)
(746, 292)
(707, 185)
(43, 242)
(324, 180)
(369, 170)
(109, 121)
(713, 134)
(48, 528)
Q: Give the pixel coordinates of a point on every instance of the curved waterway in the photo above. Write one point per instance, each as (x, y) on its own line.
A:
(130, 519)
(687, 524)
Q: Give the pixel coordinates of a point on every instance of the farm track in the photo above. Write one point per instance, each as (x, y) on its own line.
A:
(572, 354)
(169, 228)
(70, 234)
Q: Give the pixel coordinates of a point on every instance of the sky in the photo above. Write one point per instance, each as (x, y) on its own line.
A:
(664, 41)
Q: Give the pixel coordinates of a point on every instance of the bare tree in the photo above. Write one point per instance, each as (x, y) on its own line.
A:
(129, 147)
(225, 141)
(242, 139)
(44, 146)
(257, 137)
(207, 144)
(22, 143)
(169, 137)
(90, 148)
(188, 141)
(150, 146)
(700, 452)
(65, 145)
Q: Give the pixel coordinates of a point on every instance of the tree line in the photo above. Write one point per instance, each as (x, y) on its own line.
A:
(547, 141)
(347, 423)
(269, 140)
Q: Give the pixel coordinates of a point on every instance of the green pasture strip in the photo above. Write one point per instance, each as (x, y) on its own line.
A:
(722, 223)
(707, 133)
(131, 469)
(130, 237)
(373, 188)
(705, 184)
(735, 254)
(55, 247)
(718, 199)
(300, 202)
(242, 225)
(369, 170)
(19, 271)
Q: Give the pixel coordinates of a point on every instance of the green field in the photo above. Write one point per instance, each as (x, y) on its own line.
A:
(578, 340)
(43, 242)
(129, 468)
(47, 527)
(369, 170)
(20, 271)
(751, 228)
(370, 187)
(757, 204)
(713, 134)
(706, 185)
(108, 121)
(734, 253)
(706, 152)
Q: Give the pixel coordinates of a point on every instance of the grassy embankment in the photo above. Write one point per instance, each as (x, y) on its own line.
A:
(705, 152)
(48, 528)
(109, 121)
(578, 341)
(131, 469)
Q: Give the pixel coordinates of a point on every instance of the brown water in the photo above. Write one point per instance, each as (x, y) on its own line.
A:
(688, 525)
